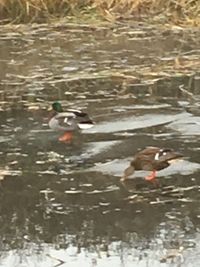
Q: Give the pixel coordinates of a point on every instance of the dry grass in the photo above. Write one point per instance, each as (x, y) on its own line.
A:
(176, 11)
(38, 10)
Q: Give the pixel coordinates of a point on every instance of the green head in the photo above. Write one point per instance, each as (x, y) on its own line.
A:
(57, 107)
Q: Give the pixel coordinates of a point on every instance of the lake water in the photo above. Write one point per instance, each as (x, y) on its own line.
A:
(64, 204)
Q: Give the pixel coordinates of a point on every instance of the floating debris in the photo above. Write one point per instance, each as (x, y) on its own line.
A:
(73, 192)
(173, 253)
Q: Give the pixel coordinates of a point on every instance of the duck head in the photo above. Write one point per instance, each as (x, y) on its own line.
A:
(128, 171)
(56, 106)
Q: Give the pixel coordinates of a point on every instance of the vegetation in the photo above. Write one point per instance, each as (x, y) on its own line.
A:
(174, 11)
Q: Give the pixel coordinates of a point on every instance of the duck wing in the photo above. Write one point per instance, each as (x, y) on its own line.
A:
(78, 113)
(146, 160)
(82, 118)
(161, 159)
(142, 163)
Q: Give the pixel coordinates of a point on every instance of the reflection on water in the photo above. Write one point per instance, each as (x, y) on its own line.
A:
(64, 205)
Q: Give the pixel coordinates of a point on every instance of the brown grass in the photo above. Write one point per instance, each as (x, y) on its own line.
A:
(175, 11)
(38, 10)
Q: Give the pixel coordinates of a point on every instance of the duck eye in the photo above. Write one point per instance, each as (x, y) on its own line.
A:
(164, 153)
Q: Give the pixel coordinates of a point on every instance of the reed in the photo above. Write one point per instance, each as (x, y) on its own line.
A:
(176, 11)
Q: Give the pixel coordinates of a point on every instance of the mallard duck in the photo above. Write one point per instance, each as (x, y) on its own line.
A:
(68, 121)
(151, 159)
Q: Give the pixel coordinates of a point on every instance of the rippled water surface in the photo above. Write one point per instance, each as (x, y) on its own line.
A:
(64, 204)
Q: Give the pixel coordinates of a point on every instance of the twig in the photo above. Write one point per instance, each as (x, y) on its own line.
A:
(61, 262)
(189, 94)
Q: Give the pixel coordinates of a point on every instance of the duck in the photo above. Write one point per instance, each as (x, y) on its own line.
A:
(68, 121)
(151, 159)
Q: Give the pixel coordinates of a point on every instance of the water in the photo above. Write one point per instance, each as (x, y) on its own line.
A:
(64, 205)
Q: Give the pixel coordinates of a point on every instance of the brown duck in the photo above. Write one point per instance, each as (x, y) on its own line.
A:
(151, 159)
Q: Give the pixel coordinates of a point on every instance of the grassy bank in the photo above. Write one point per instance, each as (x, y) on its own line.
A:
(170, 11)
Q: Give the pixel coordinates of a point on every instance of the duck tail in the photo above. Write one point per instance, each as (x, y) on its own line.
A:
(86, 124)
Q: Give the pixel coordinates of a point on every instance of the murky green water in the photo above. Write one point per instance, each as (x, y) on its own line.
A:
(64, 205)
